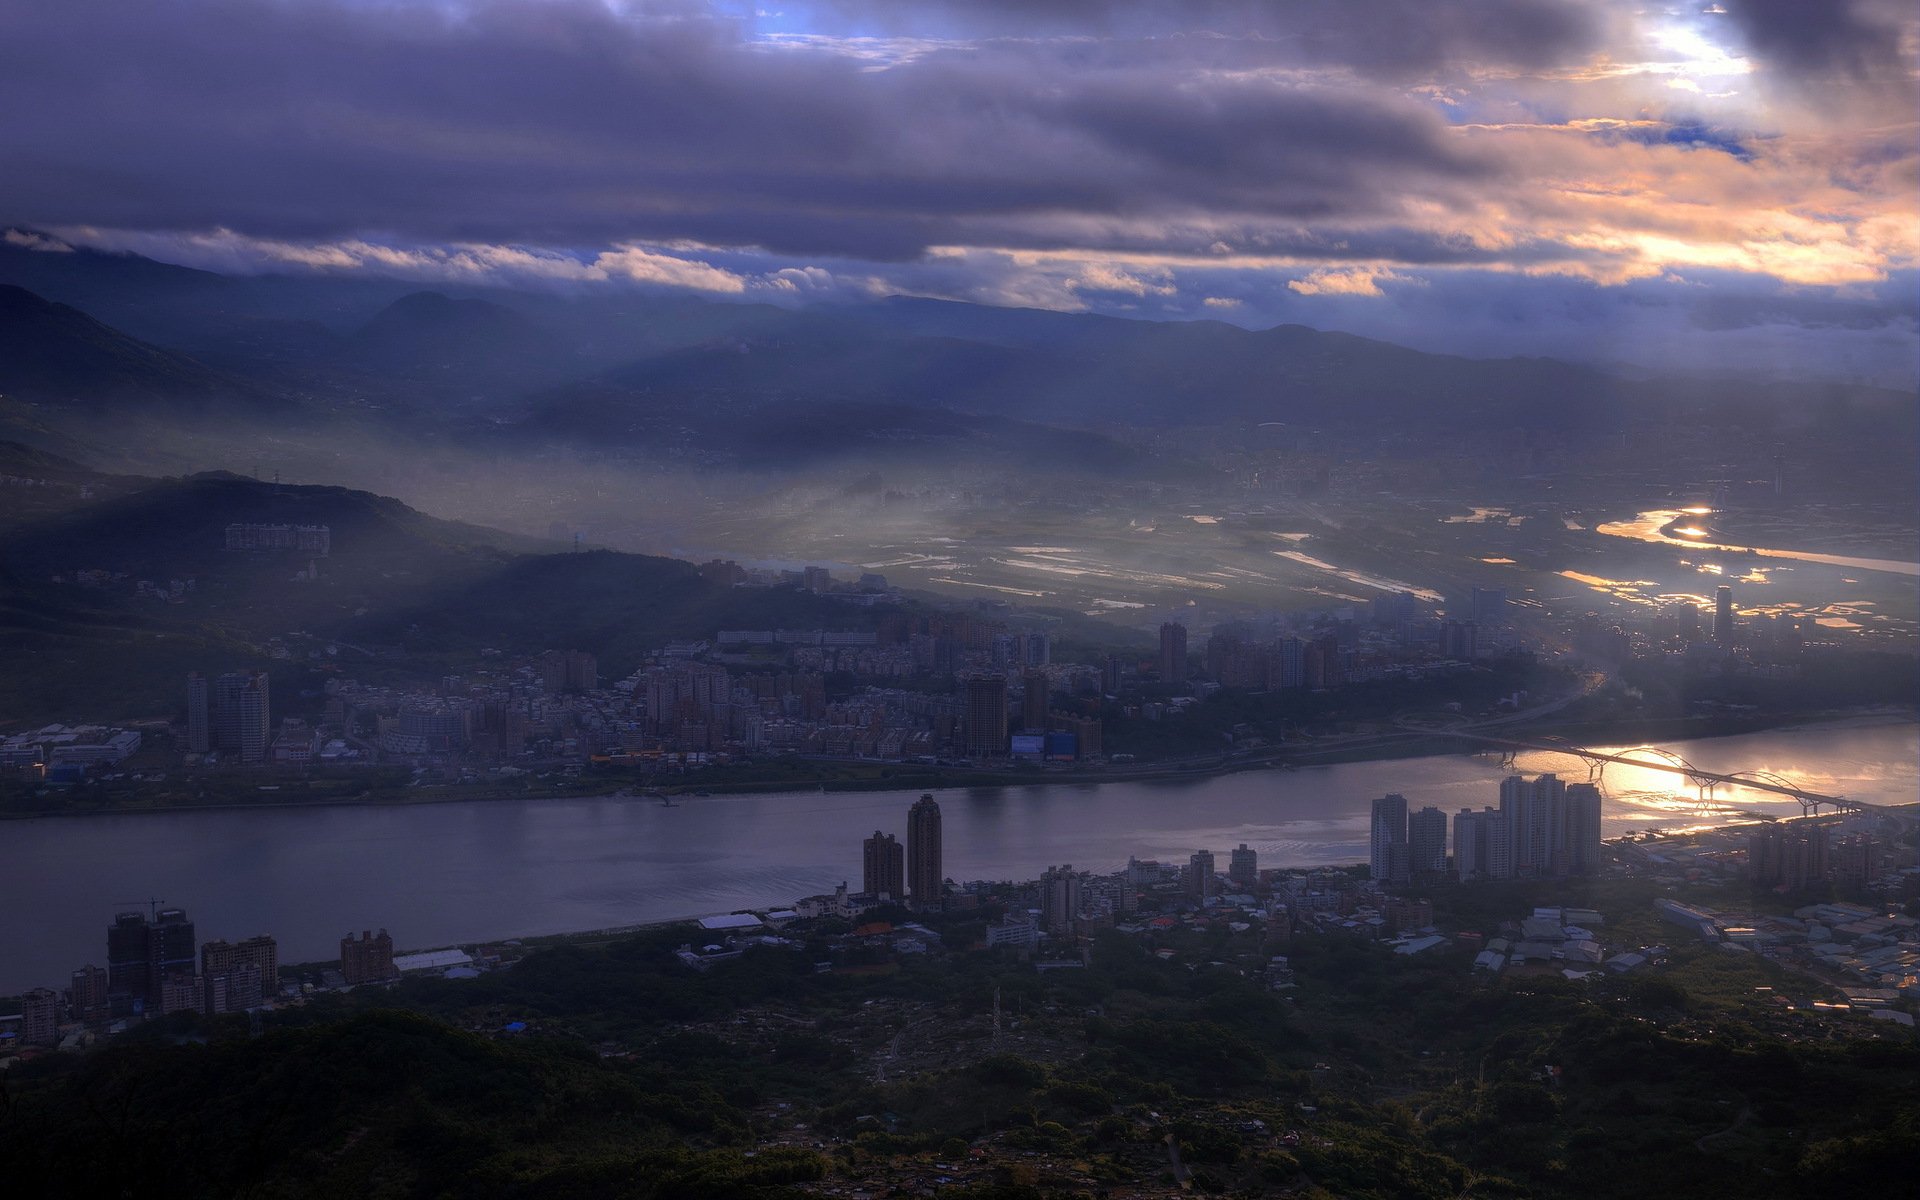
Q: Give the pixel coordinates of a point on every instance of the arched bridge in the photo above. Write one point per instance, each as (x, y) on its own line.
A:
(1657, 759)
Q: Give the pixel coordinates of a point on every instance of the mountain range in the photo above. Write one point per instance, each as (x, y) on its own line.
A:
(672, 378)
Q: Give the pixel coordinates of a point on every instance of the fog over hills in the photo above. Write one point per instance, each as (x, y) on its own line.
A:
(395, 577)
(1051, 367)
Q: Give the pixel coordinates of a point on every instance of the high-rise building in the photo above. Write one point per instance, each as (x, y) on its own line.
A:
(1550, 824)
(1061, 894)
(180, 991)
(1516, 805)
(368, 959)
(1792, 857)
(1390, 857)
(1291, 662)
(87, 993)
(1488, 606)
(1551, 828)
(127, 969)
(1033, 705)
(235, 989)
(1461, 640)
(1039, 650)
(1427, 843)
(1201, 881)
(1243, 866)
(569, 671)
(986, 715)
(199, 714)
(1537, 836)
(1723, 615)
(40, 1017)
(261, 954)
(926, 880)
(1856, 862)
(240, 708)
(170, 952)
(883, 871)
(1173, 654)
(1110, 675)
(1583, 828)
(1481, 847)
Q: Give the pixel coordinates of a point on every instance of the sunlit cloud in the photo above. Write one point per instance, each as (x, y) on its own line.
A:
(1245, 162)
(1350, 281)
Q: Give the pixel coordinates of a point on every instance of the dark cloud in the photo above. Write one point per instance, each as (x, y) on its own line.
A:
(559, 122)
(1394, 37)
(1826, 42)
(1428, 171)
(1735, 310)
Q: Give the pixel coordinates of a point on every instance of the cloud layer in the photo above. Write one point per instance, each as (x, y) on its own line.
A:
(1227, 157)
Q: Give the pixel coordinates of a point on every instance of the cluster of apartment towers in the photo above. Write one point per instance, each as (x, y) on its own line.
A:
(1544, 828)
(229, 714)
(892, 872)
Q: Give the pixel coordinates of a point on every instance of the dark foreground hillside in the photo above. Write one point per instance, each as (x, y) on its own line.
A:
(611, 1070)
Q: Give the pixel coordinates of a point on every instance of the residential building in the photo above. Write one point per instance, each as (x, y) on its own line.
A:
(369, 959)
(180, 991)
(1033, 703)
(128, 975)
(1792, 857)
(1856, 862)
(170, 952)
(236, 989)
(1202, 883)
(199, 714)
(1243, 867)
(1481, 847)
(883, 872)
(87, 994)
(40, 1017)
(1427, 843)
(1583, 828)
(261, 953)
(926, 880)
(986, 715)
(1173, 654)
(1390, 857)
(1546, 830)
(1060, 899)
(240, 709)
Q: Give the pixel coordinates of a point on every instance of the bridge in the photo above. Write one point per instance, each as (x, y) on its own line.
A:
(1657, 759)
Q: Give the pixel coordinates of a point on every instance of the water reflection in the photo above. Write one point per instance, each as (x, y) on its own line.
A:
(442, 873)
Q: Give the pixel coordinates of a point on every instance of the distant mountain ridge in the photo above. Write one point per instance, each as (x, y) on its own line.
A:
(612, 360)
(55, 353)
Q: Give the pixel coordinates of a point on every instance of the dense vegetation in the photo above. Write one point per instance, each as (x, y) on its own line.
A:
(637, 1076)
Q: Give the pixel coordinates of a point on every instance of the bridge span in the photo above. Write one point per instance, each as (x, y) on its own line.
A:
(1654, 758)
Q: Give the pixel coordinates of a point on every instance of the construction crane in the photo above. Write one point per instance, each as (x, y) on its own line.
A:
(153, 906)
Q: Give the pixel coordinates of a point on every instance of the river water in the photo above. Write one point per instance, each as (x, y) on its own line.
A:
(1651, 527)
(437, 874)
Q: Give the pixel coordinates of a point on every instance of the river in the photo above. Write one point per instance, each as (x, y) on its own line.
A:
(1651, 527)
(437, 874)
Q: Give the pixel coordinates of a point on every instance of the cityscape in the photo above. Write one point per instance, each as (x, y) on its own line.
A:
(1095, 600)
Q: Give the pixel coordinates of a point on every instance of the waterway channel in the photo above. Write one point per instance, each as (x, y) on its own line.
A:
(438, 874)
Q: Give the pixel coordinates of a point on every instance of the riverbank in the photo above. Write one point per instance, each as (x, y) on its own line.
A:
(438, 874)
(832, 776)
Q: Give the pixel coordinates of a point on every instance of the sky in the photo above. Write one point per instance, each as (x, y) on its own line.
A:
(1730, 186)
